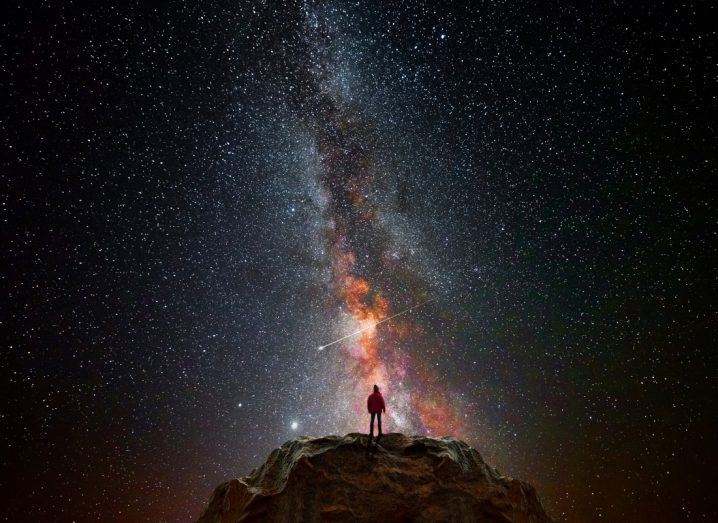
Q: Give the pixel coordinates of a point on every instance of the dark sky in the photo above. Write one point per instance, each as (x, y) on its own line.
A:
(197, 200)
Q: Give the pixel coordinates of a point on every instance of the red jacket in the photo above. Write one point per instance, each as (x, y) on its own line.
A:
(375, 403)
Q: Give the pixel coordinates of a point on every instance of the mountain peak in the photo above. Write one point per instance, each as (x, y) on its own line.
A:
(403, 478)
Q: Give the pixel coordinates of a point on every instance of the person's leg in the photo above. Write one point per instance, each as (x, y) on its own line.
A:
(378, 420)
(371, 426)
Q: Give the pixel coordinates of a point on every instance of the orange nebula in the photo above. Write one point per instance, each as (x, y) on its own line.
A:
(388, 364)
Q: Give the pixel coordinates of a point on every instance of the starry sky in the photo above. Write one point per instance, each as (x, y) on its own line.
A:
(198, 199)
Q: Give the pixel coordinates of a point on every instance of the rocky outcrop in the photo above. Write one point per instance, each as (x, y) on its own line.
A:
(403, 479)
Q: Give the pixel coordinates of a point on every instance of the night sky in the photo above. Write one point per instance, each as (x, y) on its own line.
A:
(197, 200)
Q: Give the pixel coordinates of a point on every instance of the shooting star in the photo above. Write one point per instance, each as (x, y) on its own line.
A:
(322, 347)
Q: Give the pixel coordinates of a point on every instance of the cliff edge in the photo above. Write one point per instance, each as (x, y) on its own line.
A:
(403, 478)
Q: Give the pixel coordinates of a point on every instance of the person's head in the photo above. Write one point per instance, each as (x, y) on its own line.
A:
(376, 388)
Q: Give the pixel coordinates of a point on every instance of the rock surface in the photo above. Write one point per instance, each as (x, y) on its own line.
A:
(403, 479)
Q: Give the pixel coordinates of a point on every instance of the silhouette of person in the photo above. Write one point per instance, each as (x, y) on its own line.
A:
(375, 405)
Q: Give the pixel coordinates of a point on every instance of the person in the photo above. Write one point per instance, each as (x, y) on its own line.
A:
(375, 405)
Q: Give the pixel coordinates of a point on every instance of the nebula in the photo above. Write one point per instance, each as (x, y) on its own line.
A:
(369, 282)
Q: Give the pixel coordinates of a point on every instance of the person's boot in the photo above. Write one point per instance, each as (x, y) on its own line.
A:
(378, 438)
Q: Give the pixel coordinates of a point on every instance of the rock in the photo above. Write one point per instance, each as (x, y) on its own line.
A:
(403, 478)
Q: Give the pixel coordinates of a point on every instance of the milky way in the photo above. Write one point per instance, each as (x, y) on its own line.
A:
(371, 277)
(196, 198)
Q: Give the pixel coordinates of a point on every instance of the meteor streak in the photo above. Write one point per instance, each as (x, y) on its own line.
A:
(322, 347)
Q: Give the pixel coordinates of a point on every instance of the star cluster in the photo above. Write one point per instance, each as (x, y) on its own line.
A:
(196, 198)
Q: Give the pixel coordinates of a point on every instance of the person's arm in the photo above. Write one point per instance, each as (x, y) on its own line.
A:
(367, 404)
(383, 405)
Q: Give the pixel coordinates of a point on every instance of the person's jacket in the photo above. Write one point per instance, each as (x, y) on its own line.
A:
(375, 403)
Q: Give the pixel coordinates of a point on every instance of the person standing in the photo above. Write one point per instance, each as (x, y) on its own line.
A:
(375, 405)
